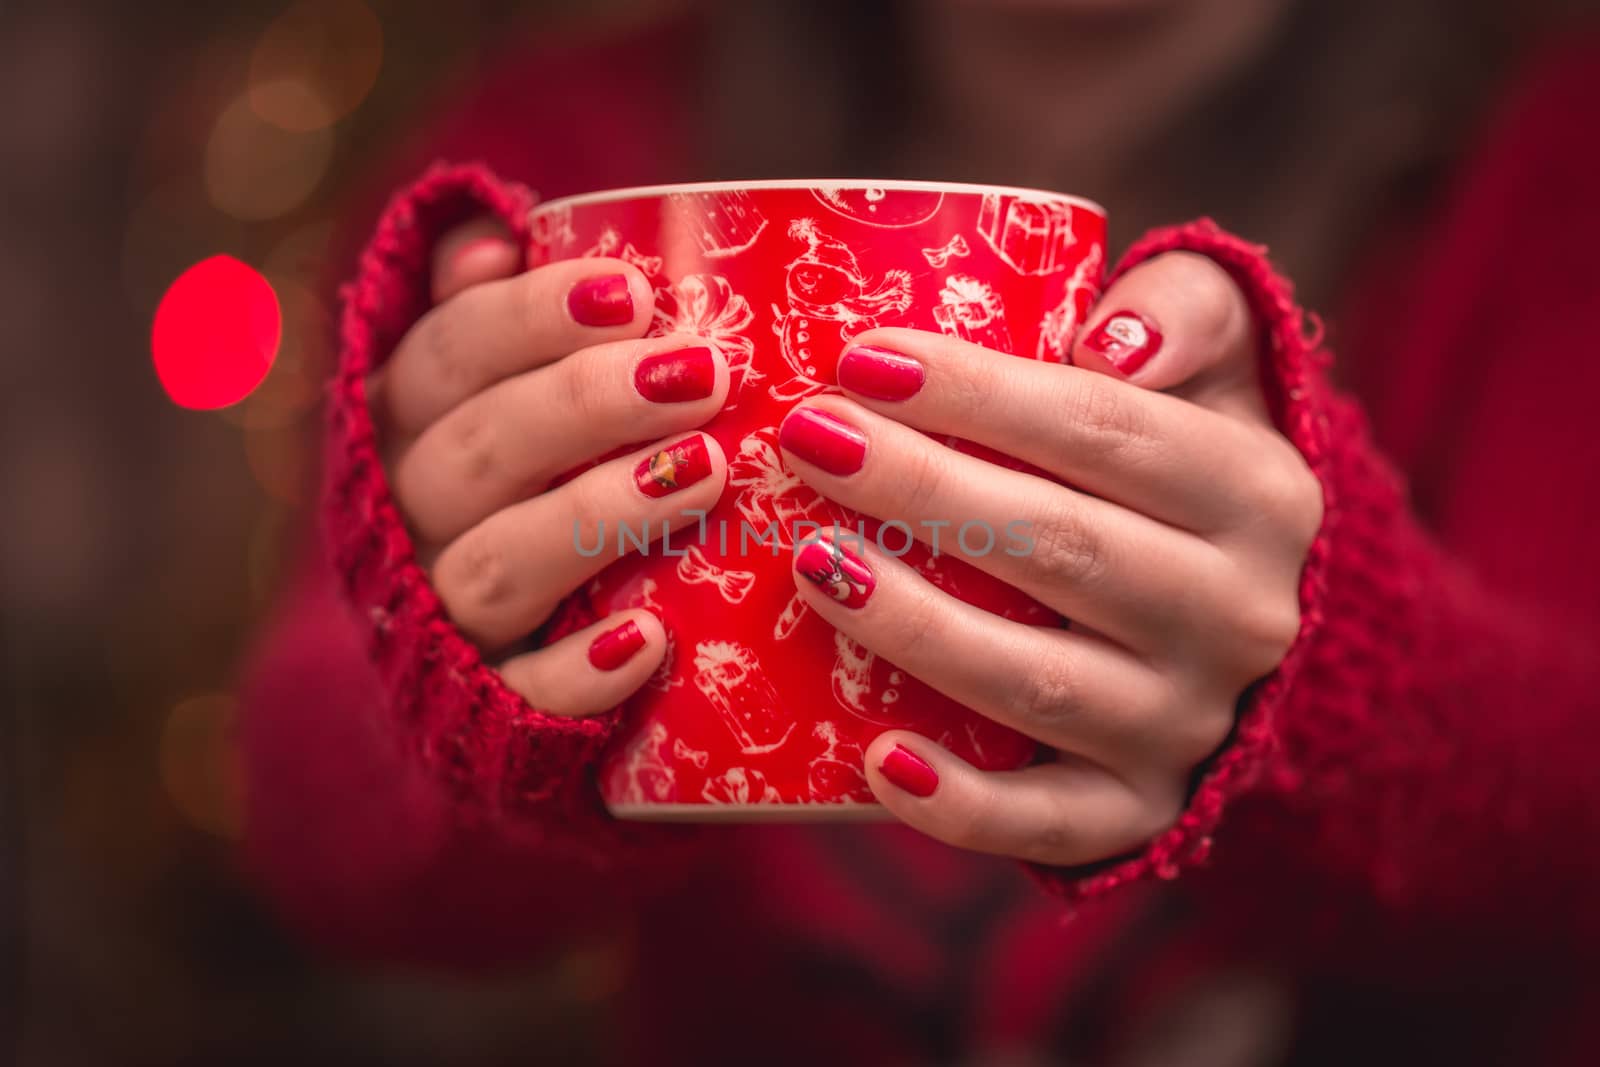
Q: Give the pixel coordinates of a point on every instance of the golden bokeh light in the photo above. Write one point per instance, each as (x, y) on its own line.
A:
(198, 765)
(255, 170)
(315, 64)
(280, 459)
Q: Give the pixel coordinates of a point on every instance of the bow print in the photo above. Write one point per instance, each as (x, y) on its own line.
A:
(693, 567)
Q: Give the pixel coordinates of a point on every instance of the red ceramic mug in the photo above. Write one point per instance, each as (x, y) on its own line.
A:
(760, 709)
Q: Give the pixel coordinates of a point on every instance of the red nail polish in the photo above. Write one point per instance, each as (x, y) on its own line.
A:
(836, 572)
(675, 377)
(615, 647)
(1126, 340)
(604, 301)
(909, 771)
(673, 468)
(879, 373)
(820, 438)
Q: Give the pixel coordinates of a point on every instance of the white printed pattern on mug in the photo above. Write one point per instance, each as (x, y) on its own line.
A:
(955, 248)
(1059, 326)
(852, 679)
(723, 223)
(705, 305)
(694, 569)
(1031, 236)
(739, 785)
(883, 208)
(730, 677)
(969, 309)
(648, 776)
(611, 244)
(830, 300)
(770, 494)
(836, 773)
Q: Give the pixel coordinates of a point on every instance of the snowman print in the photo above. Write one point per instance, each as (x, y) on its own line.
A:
(830, 301)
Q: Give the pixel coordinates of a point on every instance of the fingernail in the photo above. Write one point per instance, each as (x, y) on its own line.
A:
(615, 647)
(604, 301)
(480, 245)
(909, 771)
(836, 572)
(879, 373)
(675, 377)
(674, 467)
(1126, 340)
(820, 438)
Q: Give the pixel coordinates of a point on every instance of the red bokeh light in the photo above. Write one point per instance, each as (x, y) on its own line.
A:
(216, 333)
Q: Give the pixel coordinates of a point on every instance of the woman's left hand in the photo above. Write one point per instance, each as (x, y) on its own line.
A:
(1177, 555)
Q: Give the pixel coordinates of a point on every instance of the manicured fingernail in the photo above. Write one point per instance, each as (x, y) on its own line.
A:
(674, 377)
(820, 438)
(879, 373)
(836, 572)
(673, 468)
(603, 301)
(1126, 340)
(909, 771)
(615, 647)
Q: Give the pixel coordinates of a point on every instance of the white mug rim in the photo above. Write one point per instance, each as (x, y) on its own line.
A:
(647, 192)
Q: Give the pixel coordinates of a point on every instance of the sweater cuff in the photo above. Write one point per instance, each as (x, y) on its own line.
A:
(500, 759)
(1300, 402)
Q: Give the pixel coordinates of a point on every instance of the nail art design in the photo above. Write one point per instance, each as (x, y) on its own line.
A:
(825, 440)
(836, 572)
(673, 468)
(908, 771)
(1126, 339)
(603, 301)
(880, 373)
(615, 647)
(676, 377)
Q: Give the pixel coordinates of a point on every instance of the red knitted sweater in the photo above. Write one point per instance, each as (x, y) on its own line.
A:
(1408, 801)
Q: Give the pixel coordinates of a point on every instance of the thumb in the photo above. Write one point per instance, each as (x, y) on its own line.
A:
(1177, 323)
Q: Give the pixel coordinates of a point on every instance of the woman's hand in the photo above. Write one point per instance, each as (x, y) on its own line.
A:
(1177, 555)
(509, 381)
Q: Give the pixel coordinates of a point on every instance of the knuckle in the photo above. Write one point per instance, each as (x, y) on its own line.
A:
(1048, 696)
(968, 386)
(918, 625)
(1265, 626)
(965, 826)
(577, 389)
(473, 576)
(1106, 416)
(1283, 489)
(475, 443)
(1053, 843)
(921, 479)
(539, 303)
(1065, 550)
(438, 337)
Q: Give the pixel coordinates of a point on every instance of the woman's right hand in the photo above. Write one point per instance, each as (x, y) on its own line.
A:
(512, 379)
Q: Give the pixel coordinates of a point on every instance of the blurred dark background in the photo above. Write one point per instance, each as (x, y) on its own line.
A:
(143, 540)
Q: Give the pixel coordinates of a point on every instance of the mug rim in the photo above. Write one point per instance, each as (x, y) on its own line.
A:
(646, 192)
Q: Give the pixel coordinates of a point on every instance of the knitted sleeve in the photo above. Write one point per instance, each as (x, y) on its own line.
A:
(402, 800)
(1418, 771)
